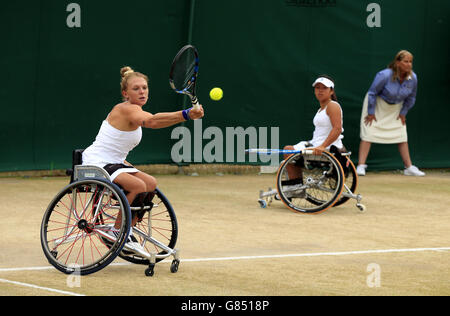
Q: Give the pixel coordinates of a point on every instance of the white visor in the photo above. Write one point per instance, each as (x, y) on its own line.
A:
(326, 82)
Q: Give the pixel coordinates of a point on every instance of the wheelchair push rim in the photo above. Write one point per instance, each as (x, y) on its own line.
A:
(75, 230)
(321, 184)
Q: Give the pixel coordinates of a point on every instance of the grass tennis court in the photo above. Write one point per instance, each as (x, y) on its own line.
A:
(230, 246)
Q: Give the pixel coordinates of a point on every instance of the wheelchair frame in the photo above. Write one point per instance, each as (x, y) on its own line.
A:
(325, 176)
(79, 215)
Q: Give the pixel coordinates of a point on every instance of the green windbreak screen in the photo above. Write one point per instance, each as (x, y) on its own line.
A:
(60, 64)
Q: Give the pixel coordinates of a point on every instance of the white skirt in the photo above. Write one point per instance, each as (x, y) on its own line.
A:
(387, 129)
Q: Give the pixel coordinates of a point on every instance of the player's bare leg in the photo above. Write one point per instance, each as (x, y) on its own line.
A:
(294, 172)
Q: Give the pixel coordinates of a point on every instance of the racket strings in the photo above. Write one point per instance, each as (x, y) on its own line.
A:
(184, 71)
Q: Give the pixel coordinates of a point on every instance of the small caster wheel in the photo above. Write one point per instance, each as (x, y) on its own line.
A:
(150, 271)
(262, 203)
(361, 207)
(174, 266)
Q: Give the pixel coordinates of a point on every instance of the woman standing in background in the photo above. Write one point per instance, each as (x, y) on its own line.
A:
(383, 120)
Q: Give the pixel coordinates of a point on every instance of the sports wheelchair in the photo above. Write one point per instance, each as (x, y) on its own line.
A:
(76, 231)
(324, 181)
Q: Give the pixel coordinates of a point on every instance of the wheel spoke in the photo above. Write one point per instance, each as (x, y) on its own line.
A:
(70, 230)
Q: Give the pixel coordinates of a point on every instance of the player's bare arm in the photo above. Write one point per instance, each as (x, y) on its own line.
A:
(139, 117)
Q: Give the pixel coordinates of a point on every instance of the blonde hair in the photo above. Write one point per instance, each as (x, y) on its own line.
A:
(393, 65)
(126, 73)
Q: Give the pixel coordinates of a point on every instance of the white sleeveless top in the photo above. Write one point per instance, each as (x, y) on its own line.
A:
(323, 127)
(111, 146)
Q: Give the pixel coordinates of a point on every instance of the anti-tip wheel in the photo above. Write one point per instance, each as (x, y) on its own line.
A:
(262, 203)
(150, 271)
(174, 266)
(361, 207)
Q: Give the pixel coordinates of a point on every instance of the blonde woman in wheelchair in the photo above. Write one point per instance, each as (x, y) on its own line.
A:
(108, 208)
(121, 131)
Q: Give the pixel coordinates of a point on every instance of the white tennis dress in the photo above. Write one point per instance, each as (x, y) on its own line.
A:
(111, 147)
(323, 128)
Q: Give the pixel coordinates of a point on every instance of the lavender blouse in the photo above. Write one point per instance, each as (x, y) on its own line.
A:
(393, 92)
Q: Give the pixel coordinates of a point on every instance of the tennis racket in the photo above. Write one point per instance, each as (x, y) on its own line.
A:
(183, 73)
(278, 151)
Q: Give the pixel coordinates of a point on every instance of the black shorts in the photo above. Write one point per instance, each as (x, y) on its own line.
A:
(115, 169)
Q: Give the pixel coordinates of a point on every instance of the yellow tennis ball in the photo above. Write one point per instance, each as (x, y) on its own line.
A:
(216, 94)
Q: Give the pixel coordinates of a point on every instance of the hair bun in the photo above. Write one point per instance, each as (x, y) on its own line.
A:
(125, 71)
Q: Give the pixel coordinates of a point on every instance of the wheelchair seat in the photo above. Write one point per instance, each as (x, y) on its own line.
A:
(80, 172)
(77, 159)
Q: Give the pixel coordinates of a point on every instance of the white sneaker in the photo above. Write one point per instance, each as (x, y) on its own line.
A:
(413, 171)
(132, 243)
(361, 170)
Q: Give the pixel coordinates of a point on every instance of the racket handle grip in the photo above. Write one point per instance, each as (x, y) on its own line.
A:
(195, 103)
(307, 151)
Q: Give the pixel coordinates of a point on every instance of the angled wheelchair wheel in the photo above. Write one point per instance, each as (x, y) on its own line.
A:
(319, 187)
(160, 225)
(77, 228)
(351, 179)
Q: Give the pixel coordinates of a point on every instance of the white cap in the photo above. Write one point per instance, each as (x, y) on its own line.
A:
(325, 81)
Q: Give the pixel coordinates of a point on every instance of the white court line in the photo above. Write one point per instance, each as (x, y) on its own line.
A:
(341, 253)
(40, 287)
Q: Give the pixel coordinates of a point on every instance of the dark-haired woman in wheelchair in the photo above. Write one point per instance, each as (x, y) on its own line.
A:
(328, 127)
(121, 131)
